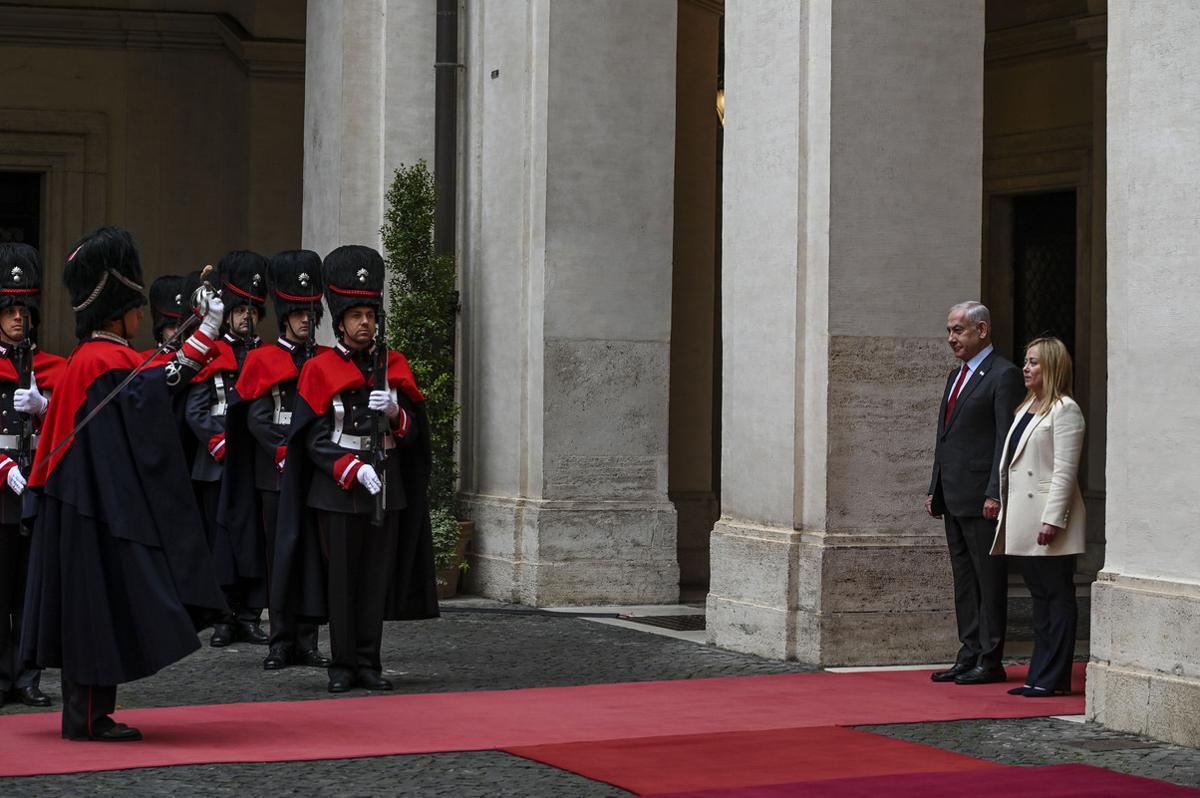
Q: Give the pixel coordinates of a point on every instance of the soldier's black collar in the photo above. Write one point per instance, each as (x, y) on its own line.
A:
(285, 344)
(346, 353)
(237, 340)
(8, 350)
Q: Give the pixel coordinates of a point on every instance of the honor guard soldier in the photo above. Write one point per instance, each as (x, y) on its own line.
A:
(120, 576)
(257, 426)
(358, 458)
(166, 311)
(27, 376)
(240, 561)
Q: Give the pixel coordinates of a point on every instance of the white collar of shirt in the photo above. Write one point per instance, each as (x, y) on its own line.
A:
(974, 363)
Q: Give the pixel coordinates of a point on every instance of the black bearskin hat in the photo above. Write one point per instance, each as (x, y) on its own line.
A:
(21, 279)
(167, 303)
(353, 276)
(242, 276)
(104, 278)
(294, 280)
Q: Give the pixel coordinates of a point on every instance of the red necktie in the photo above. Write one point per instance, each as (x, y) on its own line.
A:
(962, 377)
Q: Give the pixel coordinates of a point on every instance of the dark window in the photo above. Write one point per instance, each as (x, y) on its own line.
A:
(20, 207)
(1044, 269)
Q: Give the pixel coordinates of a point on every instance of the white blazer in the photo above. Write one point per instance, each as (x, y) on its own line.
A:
(1041, 484)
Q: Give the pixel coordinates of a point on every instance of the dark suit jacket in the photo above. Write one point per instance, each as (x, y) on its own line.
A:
(966, 460)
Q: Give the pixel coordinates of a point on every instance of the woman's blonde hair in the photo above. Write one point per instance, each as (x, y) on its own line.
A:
(1056, 371)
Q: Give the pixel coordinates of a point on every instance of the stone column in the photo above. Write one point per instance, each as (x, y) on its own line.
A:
(567, 233)
(1145, 671)
(852, 219)
(368, 108)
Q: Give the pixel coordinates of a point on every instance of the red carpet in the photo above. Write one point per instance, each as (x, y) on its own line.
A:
(1058, 781)
(407, 724)
(738, 759)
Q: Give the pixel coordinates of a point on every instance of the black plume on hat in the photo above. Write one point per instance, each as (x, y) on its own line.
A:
(21, 278)
(104, 278)
(167, 303)
(353, 276)
(243, 279)
(294, 282)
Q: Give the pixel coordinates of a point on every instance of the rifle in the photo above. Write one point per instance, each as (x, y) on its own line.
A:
(24, 369)
(310, 343)
(379, 428)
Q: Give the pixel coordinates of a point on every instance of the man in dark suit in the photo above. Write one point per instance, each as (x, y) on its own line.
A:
(977, 409)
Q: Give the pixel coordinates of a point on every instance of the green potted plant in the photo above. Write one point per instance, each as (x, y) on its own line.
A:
(422, 310)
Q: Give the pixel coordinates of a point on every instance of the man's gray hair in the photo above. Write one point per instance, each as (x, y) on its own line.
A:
(976, 312)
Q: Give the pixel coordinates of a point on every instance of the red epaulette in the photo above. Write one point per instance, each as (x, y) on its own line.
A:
(225, 360)
(328, 374)
(265, 367)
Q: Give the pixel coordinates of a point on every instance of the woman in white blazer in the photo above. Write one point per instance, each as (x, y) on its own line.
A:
(1042, 521)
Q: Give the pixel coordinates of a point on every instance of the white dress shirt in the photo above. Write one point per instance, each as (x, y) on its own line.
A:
(972, 366)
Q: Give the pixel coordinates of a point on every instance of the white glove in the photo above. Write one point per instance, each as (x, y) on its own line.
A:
(366, 475)
(215, 314)
(16, 480)
(382, 400)
(30, 400)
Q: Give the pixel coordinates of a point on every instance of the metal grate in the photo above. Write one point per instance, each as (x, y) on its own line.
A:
(1044, 278)
(676, 623)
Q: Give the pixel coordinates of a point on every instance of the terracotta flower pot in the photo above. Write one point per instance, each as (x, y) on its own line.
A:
(448, 577)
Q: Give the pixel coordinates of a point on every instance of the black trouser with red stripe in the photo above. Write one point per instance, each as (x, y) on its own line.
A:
(209, 495)
(86, 709)
(14, 563)
(361, 559)
(286, 633)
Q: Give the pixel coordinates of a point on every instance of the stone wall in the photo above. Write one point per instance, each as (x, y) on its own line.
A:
(183, 127)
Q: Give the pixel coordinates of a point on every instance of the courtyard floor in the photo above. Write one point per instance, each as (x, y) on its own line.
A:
(481, 645)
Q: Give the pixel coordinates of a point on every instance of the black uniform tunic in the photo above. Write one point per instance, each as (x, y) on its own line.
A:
(240, 562)
(319, 480)
(257, 426)
(14, 535)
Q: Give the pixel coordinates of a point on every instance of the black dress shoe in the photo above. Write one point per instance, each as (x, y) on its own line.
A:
(373, 681)
(222, 635)
(340, 684)
(276, 660)
(958, 669)
(1038, 692)
(981, 675)
(1020, 690)
(250, 632)
(117, 733)
(312, 658)
(31, 696)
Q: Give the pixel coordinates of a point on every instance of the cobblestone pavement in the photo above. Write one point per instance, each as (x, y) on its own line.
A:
(486, 646)
(1047, 741)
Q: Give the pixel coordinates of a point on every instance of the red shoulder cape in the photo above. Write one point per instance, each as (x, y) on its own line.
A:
(267, 366)
(328, 374)
(47, 370)
(86, 364)
(225, 360)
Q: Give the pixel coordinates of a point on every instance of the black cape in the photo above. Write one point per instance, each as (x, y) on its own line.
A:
(240, 548)
(120, 577)
(299, 584)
